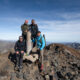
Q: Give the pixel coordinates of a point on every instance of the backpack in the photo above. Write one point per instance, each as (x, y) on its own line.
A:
(41, 40)
(44, 39)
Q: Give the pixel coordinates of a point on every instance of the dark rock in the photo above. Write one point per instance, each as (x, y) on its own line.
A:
(59, 74)
(69, 75)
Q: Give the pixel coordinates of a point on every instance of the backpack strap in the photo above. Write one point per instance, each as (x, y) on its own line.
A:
(41, 40)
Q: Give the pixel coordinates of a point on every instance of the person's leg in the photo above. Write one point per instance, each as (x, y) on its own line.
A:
(41, 56)
(17, 60)
(41, 59)
(21, 60)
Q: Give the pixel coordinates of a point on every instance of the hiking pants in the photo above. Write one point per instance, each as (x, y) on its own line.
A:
(41, 56)
(19, 59)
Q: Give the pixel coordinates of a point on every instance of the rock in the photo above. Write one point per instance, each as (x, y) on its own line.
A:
(59, 74)
(19, 75)
(69, 75)
(25, 76)
(13, 76)
(58, 63)
(3, 77)
(47, 77)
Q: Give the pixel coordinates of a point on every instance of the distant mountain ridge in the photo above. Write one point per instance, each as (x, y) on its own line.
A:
(74, 45)
(5, 46)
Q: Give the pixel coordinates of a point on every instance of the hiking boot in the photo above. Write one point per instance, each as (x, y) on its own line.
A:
(20, 67)
(16, 67)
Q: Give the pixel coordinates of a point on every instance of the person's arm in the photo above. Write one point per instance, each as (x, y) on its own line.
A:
(30, 28)
(43, 44)
(16, 46)
(23, 47)
(33, 40)
(37, 28)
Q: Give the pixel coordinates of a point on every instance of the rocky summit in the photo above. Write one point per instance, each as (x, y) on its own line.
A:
(60, 63)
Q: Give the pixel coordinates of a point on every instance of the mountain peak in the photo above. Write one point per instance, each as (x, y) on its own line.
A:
(60, 61)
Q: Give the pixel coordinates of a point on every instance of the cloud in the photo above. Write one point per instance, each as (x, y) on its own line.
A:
(67, 30)
(61, 31)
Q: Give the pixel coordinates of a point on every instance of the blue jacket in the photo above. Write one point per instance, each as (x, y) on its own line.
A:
(39, 44)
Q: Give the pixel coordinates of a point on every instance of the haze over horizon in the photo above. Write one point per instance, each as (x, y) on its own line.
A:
(59, 20)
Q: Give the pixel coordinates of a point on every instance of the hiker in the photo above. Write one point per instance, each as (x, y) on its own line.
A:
(25, 28)
(19, 49)
(40, 44)
(34, 29)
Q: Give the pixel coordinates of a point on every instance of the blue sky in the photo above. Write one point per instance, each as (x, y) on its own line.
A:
(59, 20)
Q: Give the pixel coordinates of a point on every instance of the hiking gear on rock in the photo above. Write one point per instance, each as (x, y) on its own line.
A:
(40, 42)
(34, 30)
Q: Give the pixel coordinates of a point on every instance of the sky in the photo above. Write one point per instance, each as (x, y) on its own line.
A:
(59, 20)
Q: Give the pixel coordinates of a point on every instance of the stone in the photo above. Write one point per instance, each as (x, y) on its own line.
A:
(13, 75)
(19, 75)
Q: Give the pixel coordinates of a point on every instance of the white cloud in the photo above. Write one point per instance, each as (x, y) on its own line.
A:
(55, 30)
(61, 31)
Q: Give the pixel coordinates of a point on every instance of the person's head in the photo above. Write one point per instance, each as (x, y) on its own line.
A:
(33, 21)
(26, 21)
(20, 38)
(38, 33)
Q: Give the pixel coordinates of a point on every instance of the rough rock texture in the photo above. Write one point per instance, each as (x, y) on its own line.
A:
(60, 62)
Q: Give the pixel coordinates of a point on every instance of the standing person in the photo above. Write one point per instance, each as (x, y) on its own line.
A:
(24, 29)
(40, 44)
(34, 29)
(19, 49)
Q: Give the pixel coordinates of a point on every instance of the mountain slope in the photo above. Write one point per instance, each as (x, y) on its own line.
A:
(59, 59)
